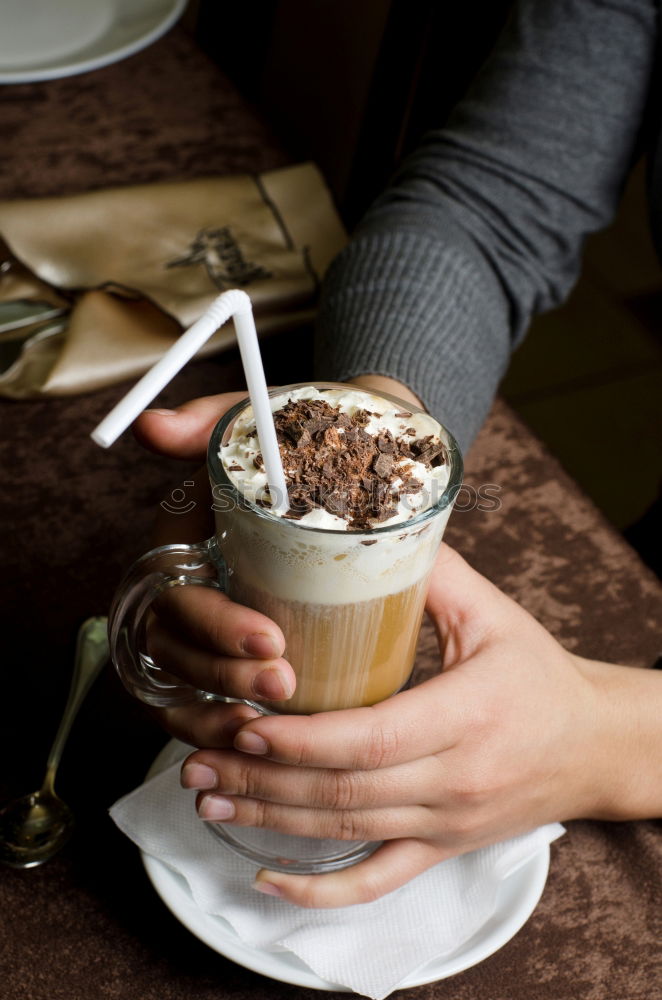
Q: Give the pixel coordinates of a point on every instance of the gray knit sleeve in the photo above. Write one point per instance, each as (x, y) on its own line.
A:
(484, 224)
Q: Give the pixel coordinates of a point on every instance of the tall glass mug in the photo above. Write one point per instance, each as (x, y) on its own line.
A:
(349, 604)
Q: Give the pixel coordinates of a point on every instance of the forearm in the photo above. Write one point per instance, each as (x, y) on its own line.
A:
(627, 750)
(484, 224)
(403, 306)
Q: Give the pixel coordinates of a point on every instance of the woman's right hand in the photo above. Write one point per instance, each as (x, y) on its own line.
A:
(199, 634)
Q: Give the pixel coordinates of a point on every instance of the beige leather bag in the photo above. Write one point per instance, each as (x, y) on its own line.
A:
(120, 272)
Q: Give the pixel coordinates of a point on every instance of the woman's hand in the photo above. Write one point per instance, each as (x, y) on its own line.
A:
(508, 737)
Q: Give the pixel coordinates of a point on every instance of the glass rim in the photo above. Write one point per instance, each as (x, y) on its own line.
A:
(220, 477)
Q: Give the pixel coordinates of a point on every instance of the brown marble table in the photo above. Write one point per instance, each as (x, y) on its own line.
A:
(88, 924)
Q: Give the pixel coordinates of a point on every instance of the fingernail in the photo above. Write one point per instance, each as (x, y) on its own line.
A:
(272, 684)
(198, 776)
(261, 644)
(215, 807)
(251, 743)
(268, 888)
(163, 413)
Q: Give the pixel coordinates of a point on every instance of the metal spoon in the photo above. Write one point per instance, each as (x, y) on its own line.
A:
(18, 313)
(35, 827)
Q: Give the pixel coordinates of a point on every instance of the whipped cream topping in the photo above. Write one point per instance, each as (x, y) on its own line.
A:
(400, 466)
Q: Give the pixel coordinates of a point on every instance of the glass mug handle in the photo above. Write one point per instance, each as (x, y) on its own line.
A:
(156, 572)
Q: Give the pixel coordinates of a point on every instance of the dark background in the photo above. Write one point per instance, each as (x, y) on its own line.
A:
(351, 85)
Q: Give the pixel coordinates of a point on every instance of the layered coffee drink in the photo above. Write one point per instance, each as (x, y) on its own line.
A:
(342, 566)
(344, 570)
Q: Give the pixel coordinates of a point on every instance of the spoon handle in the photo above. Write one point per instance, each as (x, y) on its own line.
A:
(91, 656)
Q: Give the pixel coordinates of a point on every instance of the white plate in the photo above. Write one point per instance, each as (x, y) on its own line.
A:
(517, 898)
(45, 39)
(516, 901)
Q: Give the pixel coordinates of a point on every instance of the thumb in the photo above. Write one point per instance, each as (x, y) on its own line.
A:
(459, 596)
(184, 432)
(392, 865)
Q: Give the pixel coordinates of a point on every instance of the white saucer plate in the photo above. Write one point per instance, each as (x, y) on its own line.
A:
(516, 901)
(517, 898)
(43, 39)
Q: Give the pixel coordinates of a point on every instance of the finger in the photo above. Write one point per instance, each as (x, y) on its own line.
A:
(240, 775)
(184, 432)
(395, 731)
(234, 676)
(204, 724)
(302, 821)
(467, 611)
(392, 865)
(206, 617)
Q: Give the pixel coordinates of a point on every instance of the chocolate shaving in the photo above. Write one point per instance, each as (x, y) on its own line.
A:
(434, 455)
(304, 439)
(235, 468)
(314, 426)
(332, 462)
(403, 413)
(383, 465)
(336, 503)
(299, 507)
(385, 443)
(411, 486)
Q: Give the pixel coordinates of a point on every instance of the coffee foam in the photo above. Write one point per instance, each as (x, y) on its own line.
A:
(325, 567)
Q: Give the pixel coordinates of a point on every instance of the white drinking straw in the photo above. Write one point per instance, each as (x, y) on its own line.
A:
(235, 304)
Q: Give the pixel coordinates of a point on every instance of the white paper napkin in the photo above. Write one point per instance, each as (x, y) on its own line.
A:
(368, 948)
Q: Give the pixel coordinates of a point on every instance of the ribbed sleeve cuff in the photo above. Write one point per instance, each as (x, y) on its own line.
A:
(407, 306)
